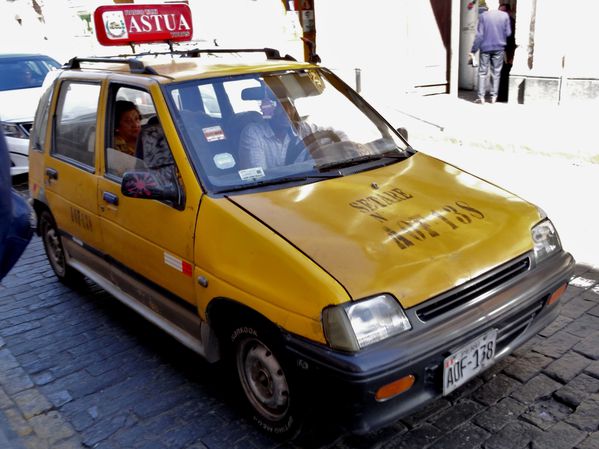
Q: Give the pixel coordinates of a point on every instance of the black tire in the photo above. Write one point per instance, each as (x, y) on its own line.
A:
(265, 381)
(55, 252)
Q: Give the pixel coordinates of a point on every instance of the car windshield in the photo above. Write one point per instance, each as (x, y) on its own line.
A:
(273, 129)
(23, 73)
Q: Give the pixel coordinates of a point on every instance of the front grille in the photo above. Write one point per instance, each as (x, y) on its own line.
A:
(478, 287)
(27, 127)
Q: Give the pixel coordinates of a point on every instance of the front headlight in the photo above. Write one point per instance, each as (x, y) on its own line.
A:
(14, 130)
(545, 240)
(353, 326)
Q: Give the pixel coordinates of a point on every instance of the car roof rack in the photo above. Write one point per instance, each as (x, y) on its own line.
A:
(135, 65)
(270, 53)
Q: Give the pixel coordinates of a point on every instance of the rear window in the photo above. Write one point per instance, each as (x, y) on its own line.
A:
(24, 73)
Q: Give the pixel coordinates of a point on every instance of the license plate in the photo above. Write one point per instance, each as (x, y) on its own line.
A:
(468, 361)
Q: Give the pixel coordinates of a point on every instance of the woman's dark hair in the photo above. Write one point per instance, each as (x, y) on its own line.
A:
(120, 107)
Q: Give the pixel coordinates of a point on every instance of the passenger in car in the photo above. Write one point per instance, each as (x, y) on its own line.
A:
(127, 126)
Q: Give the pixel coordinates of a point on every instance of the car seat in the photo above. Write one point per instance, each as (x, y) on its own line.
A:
(236, 124)
(153, 149)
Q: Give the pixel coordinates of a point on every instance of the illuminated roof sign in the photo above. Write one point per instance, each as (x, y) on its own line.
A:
(135, 24)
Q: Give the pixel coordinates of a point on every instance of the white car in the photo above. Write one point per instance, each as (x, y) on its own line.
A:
(21, 78)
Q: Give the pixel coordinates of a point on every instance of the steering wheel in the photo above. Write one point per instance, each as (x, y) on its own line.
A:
(305, 149)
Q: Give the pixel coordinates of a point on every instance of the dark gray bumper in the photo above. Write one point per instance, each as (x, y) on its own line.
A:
(346, 384)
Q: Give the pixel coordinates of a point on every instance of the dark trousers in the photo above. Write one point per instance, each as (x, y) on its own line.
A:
(504, 83)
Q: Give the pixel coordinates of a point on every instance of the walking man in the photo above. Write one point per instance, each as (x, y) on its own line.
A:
(491, 36)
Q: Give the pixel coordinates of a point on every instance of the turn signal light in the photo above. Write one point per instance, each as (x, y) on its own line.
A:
(556, 294)
(395, 388)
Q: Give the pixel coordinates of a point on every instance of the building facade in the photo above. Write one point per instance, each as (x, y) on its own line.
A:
(383, 47)
(556, 61)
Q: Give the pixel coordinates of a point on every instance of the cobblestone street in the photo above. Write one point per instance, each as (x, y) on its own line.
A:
(79, 369)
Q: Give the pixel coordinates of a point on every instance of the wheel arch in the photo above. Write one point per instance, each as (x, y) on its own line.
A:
(224, 313)
(39, 207)
(241, 330)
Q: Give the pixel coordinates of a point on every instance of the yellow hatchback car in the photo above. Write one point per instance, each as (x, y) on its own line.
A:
(264, 214)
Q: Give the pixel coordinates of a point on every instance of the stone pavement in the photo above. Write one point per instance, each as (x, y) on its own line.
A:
(80, 370)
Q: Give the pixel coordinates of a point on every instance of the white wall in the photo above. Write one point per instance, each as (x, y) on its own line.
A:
(565, 32)
(395, 43)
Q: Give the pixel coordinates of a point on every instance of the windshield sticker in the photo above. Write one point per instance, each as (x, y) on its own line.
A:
(251, 173)
(409, 231)
(213, 133)
(224, 160)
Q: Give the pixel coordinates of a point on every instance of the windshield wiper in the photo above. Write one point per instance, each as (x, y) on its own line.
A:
(360, 160)
(276, 181)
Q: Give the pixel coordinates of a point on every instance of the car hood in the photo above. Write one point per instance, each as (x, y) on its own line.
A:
(413, 229)
(19, 105)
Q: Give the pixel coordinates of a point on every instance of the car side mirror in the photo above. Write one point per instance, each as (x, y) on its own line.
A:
(146, 185)
(403, 132)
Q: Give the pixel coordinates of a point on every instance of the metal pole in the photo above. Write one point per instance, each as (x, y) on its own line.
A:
(358, 80)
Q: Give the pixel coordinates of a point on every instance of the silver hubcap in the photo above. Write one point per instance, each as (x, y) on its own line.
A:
(263, 379)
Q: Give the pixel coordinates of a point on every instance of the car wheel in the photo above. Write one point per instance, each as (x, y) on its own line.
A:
(265, 381)
(55, 251)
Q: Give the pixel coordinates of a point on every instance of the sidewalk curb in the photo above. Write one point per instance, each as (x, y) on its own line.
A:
(8, 438)
(562, 132)
(27, 419)
(445, 138)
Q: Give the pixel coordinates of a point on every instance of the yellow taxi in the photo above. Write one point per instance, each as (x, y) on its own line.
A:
(266, 215)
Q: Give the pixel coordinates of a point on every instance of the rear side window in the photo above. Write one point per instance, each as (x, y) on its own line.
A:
(40, 123)
(75, 125)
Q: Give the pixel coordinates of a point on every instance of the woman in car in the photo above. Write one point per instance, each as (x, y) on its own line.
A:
(127, 128)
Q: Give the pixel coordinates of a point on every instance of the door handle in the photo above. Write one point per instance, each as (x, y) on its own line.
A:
(110, 198)
(51, 173)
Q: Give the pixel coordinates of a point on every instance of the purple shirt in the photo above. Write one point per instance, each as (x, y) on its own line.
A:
(492, 31)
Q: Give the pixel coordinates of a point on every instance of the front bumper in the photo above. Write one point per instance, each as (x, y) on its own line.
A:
(345, 384)
(18, 150)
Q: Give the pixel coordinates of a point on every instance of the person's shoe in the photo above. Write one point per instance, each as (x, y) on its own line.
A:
(493, 99)
(480, 100)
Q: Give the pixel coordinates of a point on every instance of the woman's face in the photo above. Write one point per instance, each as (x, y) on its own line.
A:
(130, 125)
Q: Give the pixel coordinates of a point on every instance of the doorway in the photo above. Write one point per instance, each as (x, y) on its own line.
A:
(468, 73)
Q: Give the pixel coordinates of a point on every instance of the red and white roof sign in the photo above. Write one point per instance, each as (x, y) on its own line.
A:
(133, 23)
